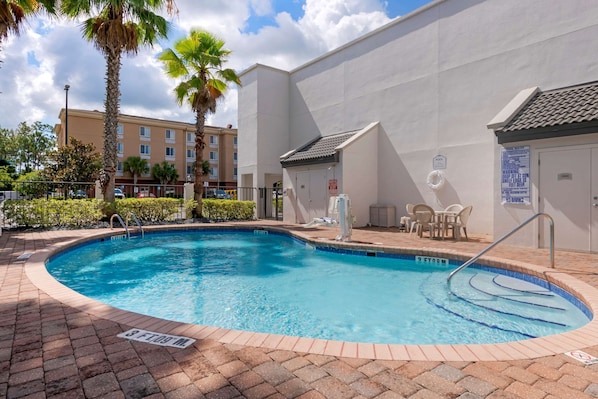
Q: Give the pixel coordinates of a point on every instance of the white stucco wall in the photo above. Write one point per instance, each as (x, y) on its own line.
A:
(359, 163)
(263, 123)
(434, 79)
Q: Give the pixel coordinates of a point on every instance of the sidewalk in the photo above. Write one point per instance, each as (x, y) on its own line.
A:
(61, 348)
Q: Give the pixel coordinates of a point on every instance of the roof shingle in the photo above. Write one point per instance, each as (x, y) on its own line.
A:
(320, 150)
(558, 107)
(561, 112)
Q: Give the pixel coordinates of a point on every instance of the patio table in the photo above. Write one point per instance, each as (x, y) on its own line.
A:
(442, 218)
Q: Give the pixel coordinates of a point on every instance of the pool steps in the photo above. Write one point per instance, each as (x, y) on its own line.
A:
(484, 298)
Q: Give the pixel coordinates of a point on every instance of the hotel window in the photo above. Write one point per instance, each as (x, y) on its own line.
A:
(234, 173)
(120, 131)
(169, 134)
(120, 148)
(235, 141)
(144, 150)
(234, 157)
(213, 173)
(214, 141)
(190, 154)
(213, 156)
(144, 133)
(170, 153)
(190, 171)
(191, 138)
(119, 168)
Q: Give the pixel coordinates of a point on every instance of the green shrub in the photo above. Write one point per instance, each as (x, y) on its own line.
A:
(52, 213)
(221, 210)
(72, 213)
(153, 209)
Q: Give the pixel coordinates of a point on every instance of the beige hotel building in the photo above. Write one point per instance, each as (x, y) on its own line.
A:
(156, 140)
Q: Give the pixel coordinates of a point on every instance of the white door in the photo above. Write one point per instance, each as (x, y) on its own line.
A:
(567, 188)
(318, 193)
(312, 195)
(302, 184)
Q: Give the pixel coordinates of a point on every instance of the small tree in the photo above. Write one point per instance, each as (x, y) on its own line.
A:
(32, 185)
(6, 178)
(75, 162)
(33, 144)
(165, 173)
(8, 145)
(136, 166)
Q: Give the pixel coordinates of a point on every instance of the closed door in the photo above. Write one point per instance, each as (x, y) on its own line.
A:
(302, 184)
(312, 195)
(568, 191)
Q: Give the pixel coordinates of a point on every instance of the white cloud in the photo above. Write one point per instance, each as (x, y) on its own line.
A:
(35, 91)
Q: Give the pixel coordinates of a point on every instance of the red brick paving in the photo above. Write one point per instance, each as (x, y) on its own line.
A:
(49, 349)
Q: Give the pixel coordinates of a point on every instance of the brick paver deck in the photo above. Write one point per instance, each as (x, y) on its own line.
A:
(58, 344)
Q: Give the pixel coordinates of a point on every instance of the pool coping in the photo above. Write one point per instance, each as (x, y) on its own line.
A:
(526, 349)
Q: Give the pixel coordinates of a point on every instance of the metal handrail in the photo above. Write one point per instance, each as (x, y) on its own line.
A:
(131, 214)
(122, 223)
(551, 222)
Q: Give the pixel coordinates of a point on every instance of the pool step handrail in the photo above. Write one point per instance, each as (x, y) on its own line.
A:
(122, 223)
(134, 217)
(501, 239)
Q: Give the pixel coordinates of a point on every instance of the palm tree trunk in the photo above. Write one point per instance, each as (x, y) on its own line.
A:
(111, 121)
(200, 121)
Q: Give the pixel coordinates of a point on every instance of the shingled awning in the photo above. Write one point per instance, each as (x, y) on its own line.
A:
(320, 150)
(561, 112)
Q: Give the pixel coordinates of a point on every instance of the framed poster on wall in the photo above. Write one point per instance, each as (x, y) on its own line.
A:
(515, 169)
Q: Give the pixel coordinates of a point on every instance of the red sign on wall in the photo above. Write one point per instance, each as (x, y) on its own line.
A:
(332, 187)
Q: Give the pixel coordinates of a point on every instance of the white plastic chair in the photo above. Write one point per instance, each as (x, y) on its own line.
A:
(460, 222)
(454, 208)
(409, 221)
(425, 219)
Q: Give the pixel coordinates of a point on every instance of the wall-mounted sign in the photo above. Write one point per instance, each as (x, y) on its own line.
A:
(332, 187)
(439, 162)
(515, 168)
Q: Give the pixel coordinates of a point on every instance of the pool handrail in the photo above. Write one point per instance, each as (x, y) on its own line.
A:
(132, 215)
(504, 237)
(122, 223)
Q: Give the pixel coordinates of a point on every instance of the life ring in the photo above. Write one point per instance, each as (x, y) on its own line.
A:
(435, 180)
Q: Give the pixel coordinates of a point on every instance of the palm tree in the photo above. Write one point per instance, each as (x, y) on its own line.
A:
(117, 26)
(14, 12)
(136, 166)
(165, 173)
(198, 60)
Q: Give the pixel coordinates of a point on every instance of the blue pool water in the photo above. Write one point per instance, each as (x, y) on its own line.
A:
(272, 283)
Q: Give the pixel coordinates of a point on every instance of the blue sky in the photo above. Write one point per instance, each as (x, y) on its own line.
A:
(394, 8)
(284, 34)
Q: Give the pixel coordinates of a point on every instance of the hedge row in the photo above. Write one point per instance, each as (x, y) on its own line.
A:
(222, 210)
(77, 213)
(48, 213)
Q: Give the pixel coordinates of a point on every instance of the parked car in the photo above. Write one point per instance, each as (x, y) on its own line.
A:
(217, 193)
(118, 193)
(145, 194)
(80, 194)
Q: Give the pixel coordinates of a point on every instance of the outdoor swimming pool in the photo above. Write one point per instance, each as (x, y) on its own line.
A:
(276, 284)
